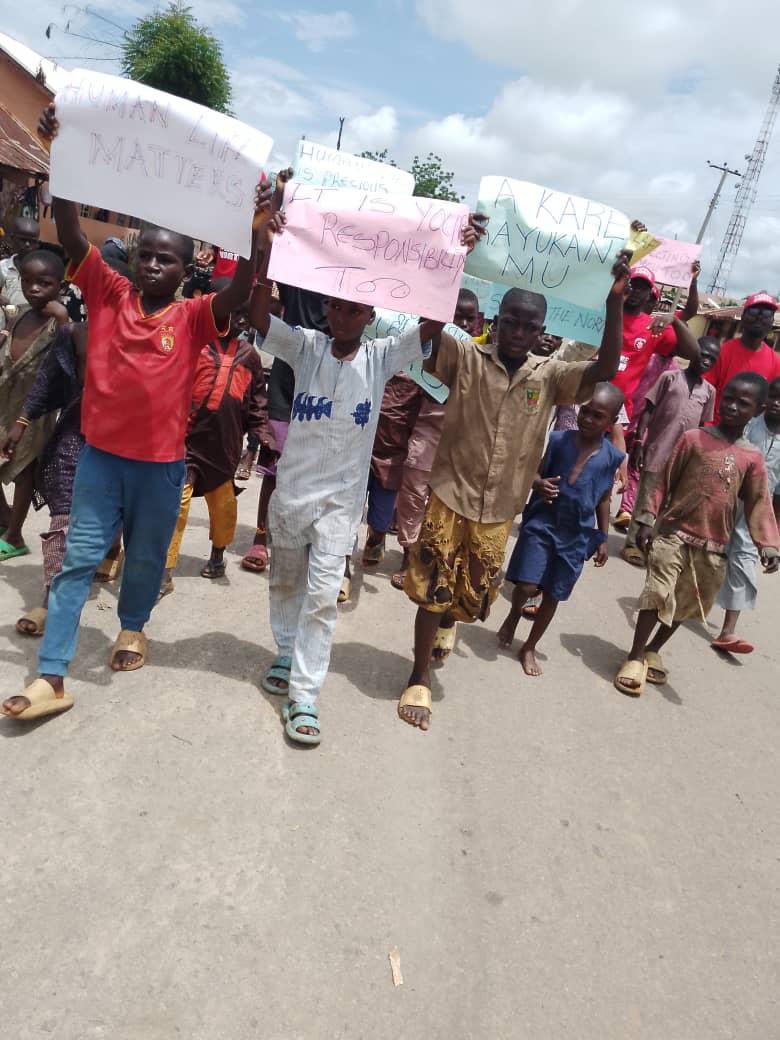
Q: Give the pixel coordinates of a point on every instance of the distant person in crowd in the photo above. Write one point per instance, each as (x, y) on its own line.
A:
(679, 401)
(748, 352)
(25, 236)
(712, 470)
(22, 351)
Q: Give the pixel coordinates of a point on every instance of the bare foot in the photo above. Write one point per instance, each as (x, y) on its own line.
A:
(507, 631)
(420, 717)
(528, 660)
(16, 705)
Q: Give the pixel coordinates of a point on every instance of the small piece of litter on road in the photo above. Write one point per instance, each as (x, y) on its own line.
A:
(101, 603)
(395, 966)
(182, 739)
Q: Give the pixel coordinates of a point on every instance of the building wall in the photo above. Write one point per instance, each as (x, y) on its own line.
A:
(21, 93)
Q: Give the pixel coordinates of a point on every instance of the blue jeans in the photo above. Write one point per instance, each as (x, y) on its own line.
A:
(381, 506)
(110, 493)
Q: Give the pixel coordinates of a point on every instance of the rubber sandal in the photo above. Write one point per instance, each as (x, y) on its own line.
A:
(530, 610)
(622, 521)
(132, 643)
(43, 701)
(655, 664)
(634, 556)
(109, 568)
(733, 646)
(345, 591)
(373, 554)
(10, 552)
(213, 570)
(444, 640)
(417, 696)
(632, 671)
(398, 579)
(296, 715)
(280, 669)
(256, 560)
(35, 617)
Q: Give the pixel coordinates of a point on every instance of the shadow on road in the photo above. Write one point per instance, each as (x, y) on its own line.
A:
(604, 659)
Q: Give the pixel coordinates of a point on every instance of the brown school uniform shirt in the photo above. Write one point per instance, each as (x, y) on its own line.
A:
(705, 478)
(397, 416)
(495, 427)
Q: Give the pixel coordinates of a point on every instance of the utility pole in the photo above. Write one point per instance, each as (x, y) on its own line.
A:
(342, 120)
(725, 171)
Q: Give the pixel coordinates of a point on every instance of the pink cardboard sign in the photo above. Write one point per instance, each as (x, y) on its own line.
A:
(394, 251)
(671, 262)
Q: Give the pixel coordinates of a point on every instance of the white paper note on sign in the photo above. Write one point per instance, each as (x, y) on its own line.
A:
(128, 148)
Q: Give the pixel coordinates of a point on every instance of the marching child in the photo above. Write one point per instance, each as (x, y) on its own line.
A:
(228, 400)
(711, 470)
(738, 591)
(495, 425)
(679, 401)
(142, 350)
(22, 350)
(316, 508)
(572, 490)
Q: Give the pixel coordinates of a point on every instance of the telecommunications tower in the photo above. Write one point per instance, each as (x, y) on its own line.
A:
(746, 195)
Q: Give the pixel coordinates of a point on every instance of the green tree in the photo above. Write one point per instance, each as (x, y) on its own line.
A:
(170, 50)
(431, 180)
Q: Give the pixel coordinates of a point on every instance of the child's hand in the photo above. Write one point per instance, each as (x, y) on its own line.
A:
(638, 226)
(644, 538)
(282, 177)
(770, 562)
(621, 272)
(602, 555)
(48, 124)
(695, 270)
(474, 230)
(621, 476)
(547, 487)
(637, 457)
(8, 447)
(58, 311)
(660, 323)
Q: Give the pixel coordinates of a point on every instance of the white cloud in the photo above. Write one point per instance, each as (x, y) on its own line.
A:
(316, 31)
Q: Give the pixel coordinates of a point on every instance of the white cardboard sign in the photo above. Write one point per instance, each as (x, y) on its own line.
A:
(129, 148)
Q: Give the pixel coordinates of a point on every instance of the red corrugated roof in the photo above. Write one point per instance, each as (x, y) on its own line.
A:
(18, 147)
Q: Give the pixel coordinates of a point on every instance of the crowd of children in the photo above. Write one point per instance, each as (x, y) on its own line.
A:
(692, 429)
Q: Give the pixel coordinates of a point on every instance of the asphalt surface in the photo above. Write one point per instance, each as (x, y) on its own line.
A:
(551, 860)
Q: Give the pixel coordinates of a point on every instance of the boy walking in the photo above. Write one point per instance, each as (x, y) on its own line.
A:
(321, 481)
(739, 591)
(495, 424)
(678, 402)
(711, 470)
(748, 352)
(143, 347)
(572, 490)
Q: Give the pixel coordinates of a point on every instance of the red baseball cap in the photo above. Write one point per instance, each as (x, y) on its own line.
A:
(761, 299)
(643, 274)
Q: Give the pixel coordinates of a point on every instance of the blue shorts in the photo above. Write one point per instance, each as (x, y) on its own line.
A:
(537, 560)
(381, 506)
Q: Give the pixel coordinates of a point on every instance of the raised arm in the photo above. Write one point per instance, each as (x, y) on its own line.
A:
(691, 308)
(605, 367)
(269, 221)
(66, 214)
(687, 344)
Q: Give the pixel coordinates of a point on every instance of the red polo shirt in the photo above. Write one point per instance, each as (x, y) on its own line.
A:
(639, 345)
(735, 358)
(140, 367)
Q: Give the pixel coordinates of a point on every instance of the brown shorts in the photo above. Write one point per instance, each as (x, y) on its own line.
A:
(456, 564)
(682, 580)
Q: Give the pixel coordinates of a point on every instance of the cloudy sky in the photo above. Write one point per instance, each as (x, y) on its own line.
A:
(618, 102)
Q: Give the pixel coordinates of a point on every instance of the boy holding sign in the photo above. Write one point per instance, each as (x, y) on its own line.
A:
(498, 411)
(321, 479)
(143, 347)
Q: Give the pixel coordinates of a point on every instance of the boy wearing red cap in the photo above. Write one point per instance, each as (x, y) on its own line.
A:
(748, 352)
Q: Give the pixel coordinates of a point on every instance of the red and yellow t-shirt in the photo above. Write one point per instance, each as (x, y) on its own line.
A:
(140, 367)
(639, 345)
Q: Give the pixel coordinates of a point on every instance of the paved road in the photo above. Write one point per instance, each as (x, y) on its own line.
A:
(552, 860)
